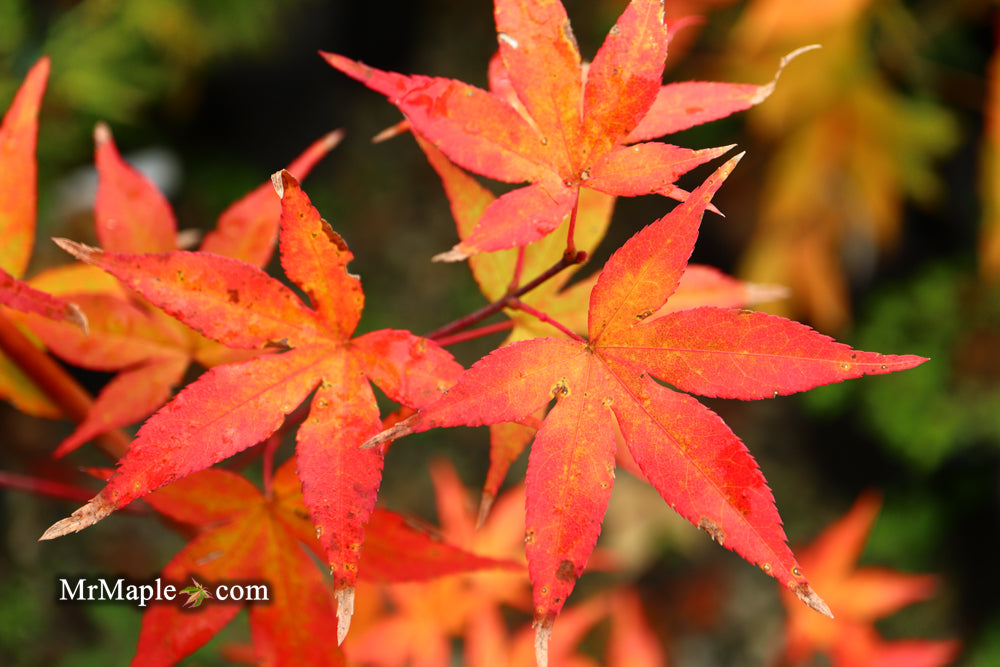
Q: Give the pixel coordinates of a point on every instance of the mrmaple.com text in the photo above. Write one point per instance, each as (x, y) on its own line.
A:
(121, 590)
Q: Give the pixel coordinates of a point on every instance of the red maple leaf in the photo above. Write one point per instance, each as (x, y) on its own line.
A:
(606, 383)
(497, 272)
(558, 124)
(859, 597)
(424, 618)
(18, 209)
(234, 406)
(149, 351)
(249, 537)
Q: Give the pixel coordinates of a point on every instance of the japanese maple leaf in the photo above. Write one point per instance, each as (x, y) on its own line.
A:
(566, 129)
(606, 383)
(631, 642)
(496, 272)
(18, 208)
(196, 594)
(859, 597)
(246, 536)
(234, 406)
(426, 617)
(149, 350)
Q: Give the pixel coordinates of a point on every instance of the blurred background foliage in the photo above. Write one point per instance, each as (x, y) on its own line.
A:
(870, 190)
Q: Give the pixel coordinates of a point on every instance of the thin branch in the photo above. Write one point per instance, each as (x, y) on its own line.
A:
(501, 303)
(544, 317)
(515, 281)
(44, 487)
(478, 332)
(571, 231)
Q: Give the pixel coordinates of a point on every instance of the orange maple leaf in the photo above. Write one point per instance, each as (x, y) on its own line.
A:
(234, 406)
(858, 597)
(557, 124)
(605, 384)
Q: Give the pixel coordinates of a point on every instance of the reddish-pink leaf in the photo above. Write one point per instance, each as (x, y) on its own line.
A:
(168, 634)
(632, 642)
(624, 78)
(130, 212)
(745, 354)
(248, 229)
(517, 218)
(406, 367)
(679, 106)
(128, 398)
(646, 169)
(292, 629)
(706, 286)
(247, 539)
(339, 481)
(205, 498)
(568, 486)
(317, 261)
(226, 410)
(545, 121)
(539, 32)
(472, 127)
(652, 264)
(236, 405)
(507, 441)
(707, 475)
(225, 299)
(22, 297)
(427, 555)
(859, 597)
(122, 335)
(683, 448)
(19, 171)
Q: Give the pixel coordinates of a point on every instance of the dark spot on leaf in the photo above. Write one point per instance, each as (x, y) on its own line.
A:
(644, 314)
(234, 295)
(566, 571)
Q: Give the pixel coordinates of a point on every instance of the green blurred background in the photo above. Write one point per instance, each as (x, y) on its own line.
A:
(867, 191)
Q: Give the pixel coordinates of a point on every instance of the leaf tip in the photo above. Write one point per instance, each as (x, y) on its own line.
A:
(765, 91)
(391, 433)
(278, 181)
(456, 254)
(485, 505)
(330, 140)
(75, 316)
(543, 632)
(88, 515)
(345, 610)
(805, 593)
(392, 131)
(82, 252)
(102, 134)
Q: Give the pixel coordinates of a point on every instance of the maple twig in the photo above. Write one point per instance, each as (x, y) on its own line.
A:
(270, 447)
(571, 231)
(57, 384)
(44, 487)
(501, 303)
(478, 332)
(515, 280)
(520, 305)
